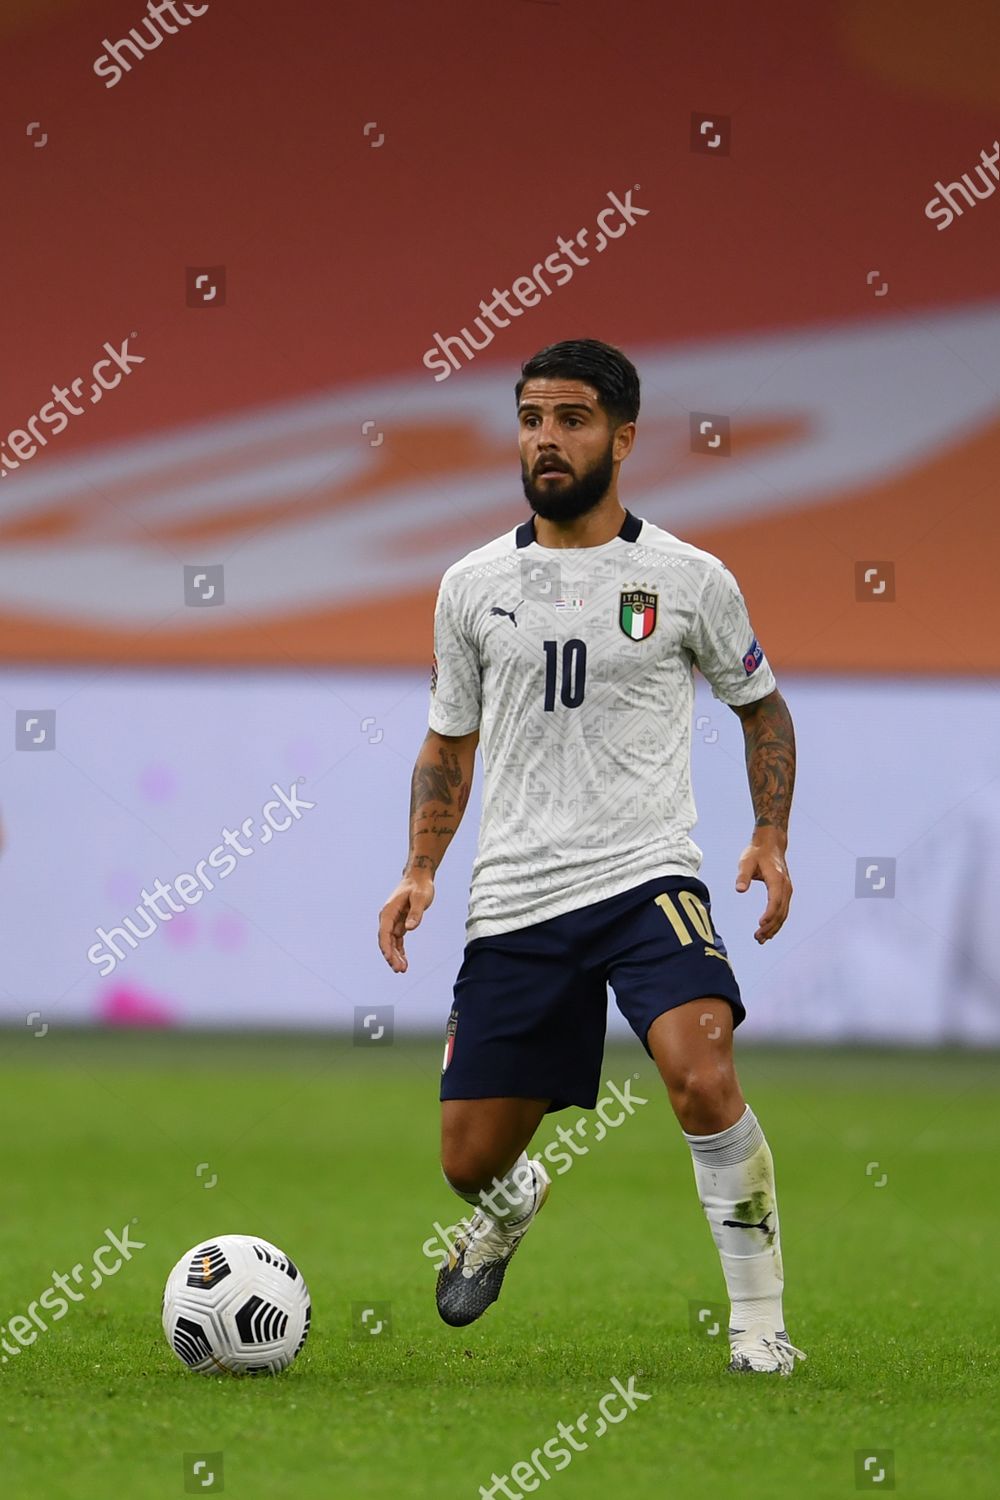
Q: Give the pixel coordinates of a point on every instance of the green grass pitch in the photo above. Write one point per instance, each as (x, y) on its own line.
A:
(887, 1182)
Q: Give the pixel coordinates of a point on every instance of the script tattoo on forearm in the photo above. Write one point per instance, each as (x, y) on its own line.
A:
(770, 756)
(438, 797)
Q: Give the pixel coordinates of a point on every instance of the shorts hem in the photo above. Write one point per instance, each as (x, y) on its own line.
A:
(734, 1002)
(581, 1097)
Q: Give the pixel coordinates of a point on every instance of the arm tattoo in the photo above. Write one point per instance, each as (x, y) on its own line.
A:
(434, 783)
(439, 794)
(770, 757)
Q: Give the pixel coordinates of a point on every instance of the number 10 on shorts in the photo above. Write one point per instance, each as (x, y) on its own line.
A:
(696, 912)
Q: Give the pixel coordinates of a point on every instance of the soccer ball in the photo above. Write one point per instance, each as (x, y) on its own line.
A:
(236, 1303)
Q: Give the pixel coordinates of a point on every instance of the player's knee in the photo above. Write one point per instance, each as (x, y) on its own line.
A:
(467, 1171)
(703, 1089)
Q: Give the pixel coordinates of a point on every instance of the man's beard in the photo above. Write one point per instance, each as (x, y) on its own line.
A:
(568, 499)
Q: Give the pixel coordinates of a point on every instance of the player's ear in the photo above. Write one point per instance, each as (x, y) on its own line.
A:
(623, 440)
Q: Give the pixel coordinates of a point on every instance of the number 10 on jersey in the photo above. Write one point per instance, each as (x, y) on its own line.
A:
(570, 674)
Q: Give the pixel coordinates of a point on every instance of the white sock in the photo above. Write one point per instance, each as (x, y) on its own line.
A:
(508, 1200)
(735, 1176)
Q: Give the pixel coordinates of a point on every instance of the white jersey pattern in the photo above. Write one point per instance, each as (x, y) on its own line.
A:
(576, 666)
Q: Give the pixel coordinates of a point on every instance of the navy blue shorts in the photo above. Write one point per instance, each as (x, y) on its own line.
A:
(530, 1009)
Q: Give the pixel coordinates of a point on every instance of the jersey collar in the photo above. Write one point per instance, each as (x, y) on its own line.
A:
(631, 526)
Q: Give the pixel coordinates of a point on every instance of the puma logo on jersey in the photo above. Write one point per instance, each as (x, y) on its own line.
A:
(496, 610)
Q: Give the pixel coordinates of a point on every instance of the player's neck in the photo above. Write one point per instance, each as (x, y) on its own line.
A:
(600, 525)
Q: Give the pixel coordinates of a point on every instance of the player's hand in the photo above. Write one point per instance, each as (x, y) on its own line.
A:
(401, 914)
(764, 859)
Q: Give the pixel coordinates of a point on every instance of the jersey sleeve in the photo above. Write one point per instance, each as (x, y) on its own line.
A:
(456, 675)
(723, 644)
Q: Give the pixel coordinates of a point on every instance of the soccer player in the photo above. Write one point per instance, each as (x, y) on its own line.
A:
(569, 643)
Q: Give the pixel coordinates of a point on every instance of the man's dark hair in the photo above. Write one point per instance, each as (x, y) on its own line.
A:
(614, 378)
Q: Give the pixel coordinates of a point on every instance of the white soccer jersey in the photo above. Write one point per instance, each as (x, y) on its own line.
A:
(576, 666)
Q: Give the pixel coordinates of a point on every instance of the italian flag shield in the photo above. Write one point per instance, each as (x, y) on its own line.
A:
(637, 613)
